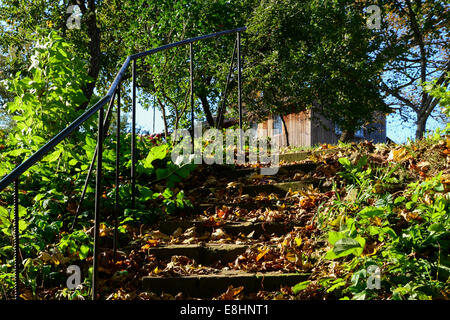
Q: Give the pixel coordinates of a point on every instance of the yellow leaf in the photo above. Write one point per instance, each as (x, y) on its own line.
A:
(291, 257)
(232, 184)
(150, 244)
(103, 230)
(27, 295)
(262, 254)
(298, 241)
(236, 291)
(377, 221)
(399, 155)
(273, 197)
(338, 221)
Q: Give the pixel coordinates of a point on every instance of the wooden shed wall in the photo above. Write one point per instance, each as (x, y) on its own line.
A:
(308, 129)
(322, 130)
(298, 126)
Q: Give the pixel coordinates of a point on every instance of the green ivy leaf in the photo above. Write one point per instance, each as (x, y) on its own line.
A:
(300, 286)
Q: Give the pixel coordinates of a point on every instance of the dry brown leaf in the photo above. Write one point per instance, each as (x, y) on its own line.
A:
(399, 155)
(178, 232)
(157, 235)
(150, 244)
(218, 234)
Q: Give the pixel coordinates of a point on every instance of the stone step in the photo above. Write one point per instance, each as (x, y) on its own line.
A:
(302, 167)
(237, 172)
(203, 254)
(279, 188)
(210, 285)
(202, 207)
(233, 228)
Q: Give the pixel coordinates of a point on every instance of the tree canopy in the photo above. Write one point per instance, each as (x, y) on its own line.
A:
(297, 54)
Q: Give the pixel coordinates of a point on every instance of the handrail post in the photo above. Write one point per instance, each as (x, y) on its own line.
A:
(16, 240)
(191, 75)
(117, 206)
(91, 166)
(98, 194)
(133, 139)
(239, 87)
(224, 96)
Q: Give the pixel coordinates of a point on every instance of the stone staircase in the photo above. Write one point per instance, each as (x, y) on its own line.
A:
(215, 255)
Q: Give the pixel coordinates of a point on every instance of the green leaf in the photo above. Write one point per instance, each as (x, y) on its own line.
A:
(73, 162)
(53, 156)
(371, 212)
(399, 200)
(84, 251)
(439, 188)
(345, 162)
(158, 152)
(146, 194)
(18, 152)
(362, 162)
(167, 194)
(300, 286)
(345, 244)
(337, 284)
(334, 236)
(162, 173)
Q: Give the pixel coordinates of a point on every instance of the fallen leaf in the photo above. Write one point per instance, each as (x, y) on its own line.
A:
(150, 243)
(399, 155)
(291, 257)
(218, 234)
(231, 293)
(157, 235)
(178, 232)
(262, 254)
(104, 231)
(233, 184)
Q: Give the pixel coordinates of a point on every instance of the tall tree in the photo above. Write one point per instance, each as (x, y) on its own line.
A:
(23, 17)
(415, 50)
(313, 54)
(166, 74)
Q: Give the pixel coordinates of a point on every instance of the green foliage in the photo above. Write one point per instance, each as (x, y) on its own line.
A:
(49, 99)
(166, 170)
(45, 102)
(442, 93)
(406, 236)
(313, 54)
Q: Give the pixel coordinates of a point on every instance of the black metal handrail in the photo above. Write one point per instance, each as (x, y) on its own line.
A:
(114, 91)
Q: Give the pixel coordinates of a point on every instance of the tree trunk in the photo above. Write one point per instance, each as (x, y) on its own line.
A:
(347, 135)
(94, 45)
(207, 110)
(421, 124)
(163, 111)
(285, 131)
